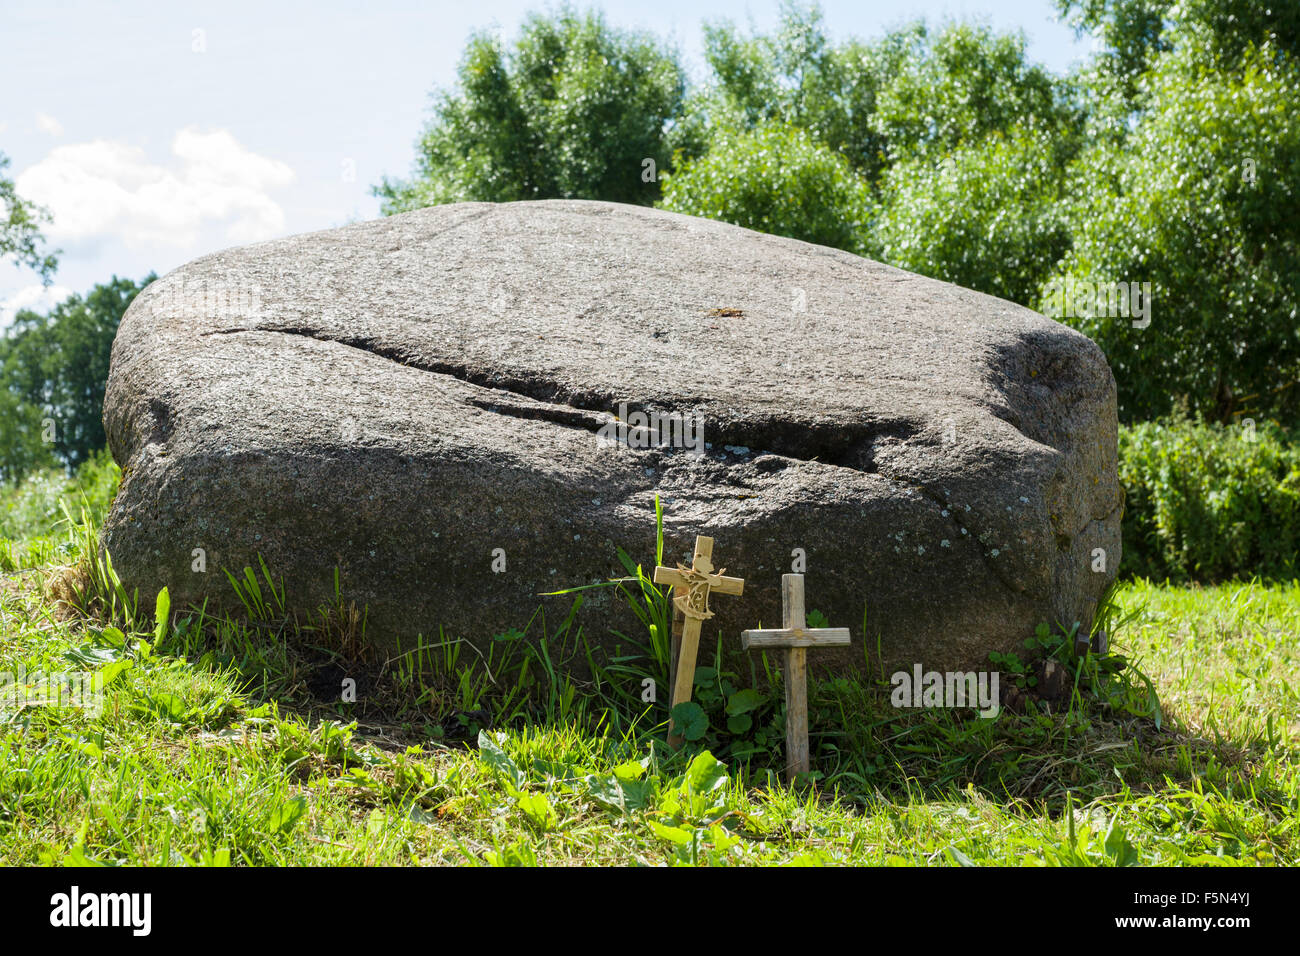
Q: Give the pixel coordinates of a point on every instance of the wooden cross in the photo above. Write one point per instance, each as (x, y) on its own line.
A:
(796, 638)
(691, 588)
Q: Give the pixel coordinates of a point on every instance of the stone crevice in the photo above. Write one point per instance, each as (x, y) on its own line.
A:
(848, 445)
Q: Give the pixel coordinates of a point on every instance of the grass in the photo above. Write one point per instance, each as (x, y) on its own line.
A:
(231, 742)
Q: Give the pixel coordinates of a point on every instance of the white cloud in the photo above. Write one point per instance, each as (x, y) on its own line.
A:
(107, 189)
(48, 124)
(36, 297)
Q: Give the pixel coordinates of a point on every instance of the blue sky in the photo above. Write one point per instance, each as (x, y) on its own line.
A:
(160, 131)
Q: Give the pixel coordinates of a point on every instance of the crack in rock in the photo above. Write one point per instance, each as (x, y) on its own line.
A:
(848, 445)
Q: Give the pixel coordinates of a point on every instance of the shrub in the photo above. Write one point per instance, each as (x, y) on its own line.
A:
(1210, 502)
(984, 216)
(774, 179)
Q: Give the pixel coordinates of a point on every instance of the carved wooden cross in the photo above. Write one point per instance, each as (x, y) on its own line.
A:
(796, 638)
(691, 588)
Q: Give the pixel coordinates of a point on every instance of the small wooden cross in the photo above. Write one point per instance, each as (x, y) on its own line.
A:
(796, 638)
(691, 588)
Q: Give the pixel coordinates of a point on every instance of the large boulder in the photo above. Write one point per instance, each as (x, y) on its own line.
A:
(399, 399)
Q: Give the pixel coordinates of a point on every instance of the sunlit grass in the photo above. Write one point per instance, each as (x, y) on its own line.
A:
(215, 745)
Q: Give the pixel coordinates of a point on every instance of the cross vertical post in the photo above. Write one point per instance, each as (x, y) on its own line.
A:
(796, 637)
(793, 616)
(691, 589)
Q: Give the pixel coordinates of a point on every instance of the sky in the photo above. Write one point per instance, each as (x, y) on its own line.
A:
(156, 132)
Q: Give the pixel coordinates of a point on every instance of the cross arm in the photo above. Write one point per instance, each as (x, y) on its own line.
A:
(795, 637)
(674, 577)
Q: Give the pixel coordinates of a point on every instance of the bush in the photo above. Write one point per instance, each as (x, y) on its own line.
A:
(775, 179)
(985, 216)
(1210, 502)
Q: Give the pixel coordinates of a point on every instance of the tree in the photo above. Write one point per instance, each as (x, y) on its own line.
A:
(1171, 162)
(23, 449)
(914, 91)
(1135, 33)
(961, 141)
(20, 229)
(55, 369)
(1132, 33)
(795, 78)
(951, 89)
(574, 110)
(1196, 192)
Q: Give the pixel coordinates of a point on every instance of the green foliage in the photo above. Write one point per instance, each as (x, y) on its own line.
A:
(1132, 33)
(507, 774)
(953, 88)
(690, 720)
(795, 77)
(31, 508)
(776, 179)
(978, 140)
(1108, 678)
(912, 92)
(1135, 33)
(23, 429)
(1199, 201)
(732, 720)
(1209, 502)
(952, 144)
(55, 368)
(571, 111)
(1170, 159)
(188, 763)
(1227, 30)
(984, 216)
(20, 229)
